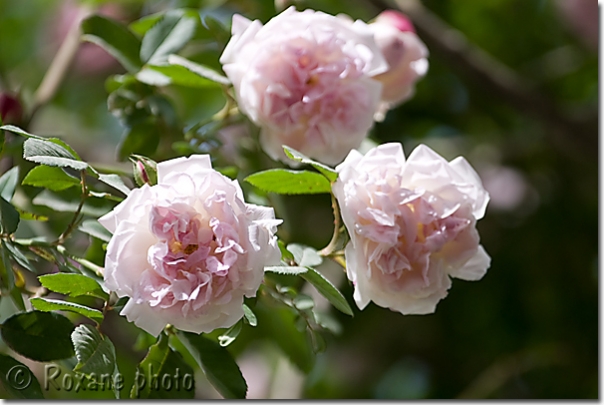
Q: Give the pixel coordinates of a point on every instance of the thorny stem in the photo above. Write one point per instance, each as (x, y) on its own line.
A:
(76, 215)
(327, 250)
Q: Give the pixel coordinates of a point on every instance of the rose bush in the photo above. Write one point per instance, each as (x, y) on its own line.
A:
(411, 226)
(406, 55)
(187, 250)
(305, 79)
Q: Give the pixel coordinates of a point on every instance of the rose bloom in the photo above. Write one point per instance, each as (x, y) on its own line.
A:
(187, 250)
(305, 79)
(411, 226)
(406, 56)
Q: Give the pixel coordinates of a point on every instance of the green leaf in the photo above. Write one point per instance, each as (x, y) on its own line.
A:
(114, 181)
(173, 75)
(230, 335)
(95, 352)
(8, 183)
(40, 336)
(9, 217)
(249, 315)
(282, 181)
(324, 286)
(6, 268)
(218, 365)
(55, 202)
(56, 141)
(18, 256)
(305, 256)
(296, 156)
(30, 216)
(144, 24)
(293, 270)
(142, 138)
(50, 154)
(168, 35)
(52, 178)
(94, 228)
(198, 69)
(162, 361)
(47, 305)
(220, 33)
(18, 380)
(74, 285)
(115, 38)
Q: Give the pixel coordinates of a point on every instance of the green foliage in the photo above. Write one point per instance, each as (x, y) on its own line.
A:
(162, 361)
(52, 178)
(18, 380)
(249, 316)
(217, 364)
(142, 138)
(327, 290)
(282, 181)
(292, 270)
(115, 38)
(9, 217)
(95, 352)
(174, 75)
(296, 156)
(230, 334)
(50, 154)
(200, 70)
(8, 182)
(168, 35)
(48, 305)
(114, 181)
(73, 285)
(40, 336)
(93, 228)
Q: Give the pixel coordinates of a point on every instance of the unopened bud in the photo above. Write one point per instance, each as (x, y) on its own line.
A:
(144, 169)
(396, 19)
(10, 109)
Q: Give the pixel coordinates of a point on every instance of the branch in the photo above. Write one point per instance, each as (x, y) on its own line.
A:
(494, 78)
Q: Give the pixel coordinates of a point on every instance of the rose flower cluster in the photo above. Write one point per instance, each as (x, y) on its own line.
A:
(189, 249)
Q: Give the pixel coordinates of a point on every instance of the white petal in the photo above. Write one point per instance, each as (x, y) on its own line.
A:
(192, 165)
(143, 317)
(479, 194)
(127, 209)
(475, 268)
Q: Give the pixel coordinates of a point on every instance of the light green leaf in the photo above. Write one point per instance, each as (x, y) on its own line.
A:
(74, 285)
(168, 35)
(198, 69)
(324, 286)
(40, 336)
(249, 315)
(95, 353)
(217, 364)
(56, 141)
(50, 154)
(8, 183)
(93, 228)
(47, 305)
(162, 360)
(115, 38)
(173, 74)
(30, 216)
(282, 181)
(293, 270)
(55, 202)
(303, 302)
(114, 181)
(18, 380)
(305, 256)
(142, 25)
(230, 335)
(52, 178)
(296, 156)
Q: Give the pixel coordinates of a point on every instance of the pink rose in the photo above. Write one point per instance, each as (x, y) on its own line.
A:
(305, 79)
(411, 226)
(406, 56)
(187, 250)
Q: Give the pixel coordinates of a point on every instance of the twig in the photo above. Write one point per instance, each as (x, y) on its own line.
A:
(76, 214)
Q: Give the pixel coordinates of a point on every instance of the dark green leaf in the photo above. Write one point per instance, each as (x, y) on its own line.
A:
(198, 69)
(18, 380)
(218, 365)
(93, 228)
(230, 335)
(114, 181)
(173, 74)
(52, 178)
(286, 269)
(115, 38)
(305, 256)
(74, 285)
(142, 138)
(296, 156)
(47, 305)
(18, 256)
(56, 141)
(40, 336)
(328, 290)
(9, 217)
(8, 183)
(50, 154)
(282, 181)
(162, 361)
(6, 268)
(168, 35)
(95, 353)
(249, 315)
(221, 33)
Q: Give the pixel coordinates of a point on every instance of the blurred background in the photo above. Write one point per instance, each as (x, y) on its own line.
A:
(512, 86)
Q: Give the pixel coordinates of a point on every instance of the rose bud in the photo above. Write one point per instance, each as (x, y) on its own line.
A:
(10, 109)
